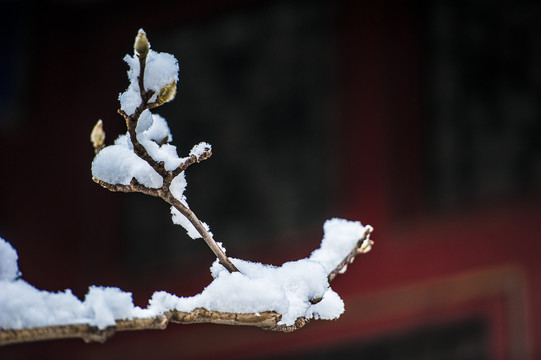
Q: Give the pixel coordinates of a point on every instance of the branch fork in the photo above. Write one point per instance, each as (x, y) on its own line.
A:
(167, 93)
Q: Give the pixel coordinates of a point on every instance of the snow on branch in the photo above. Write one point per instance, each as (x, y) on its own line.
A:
(280, 298)
(143, 160)
(29, 314)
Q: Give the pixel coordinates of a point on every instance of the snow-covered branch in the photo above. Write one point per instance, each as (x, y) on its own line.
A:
(283, 306)
(280, 298)
(143, 160)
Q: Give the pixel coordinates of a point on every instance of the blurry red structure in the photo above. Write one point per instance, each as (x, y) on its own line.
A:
(432, 139)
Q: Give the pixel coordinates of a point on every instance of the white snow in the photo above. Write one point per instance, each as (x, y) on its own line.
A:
(200, 149)
(8, 261)
(179, 219)
(144, 122)
(149, 129)
(166, 153)
(336, 243)
(103, 305)
(117, 164)
(177, 187)
(22, 305)
(330, 307)
(159, 130)
(130, 99)
(124, 140)
(287, 290)
(161, 69)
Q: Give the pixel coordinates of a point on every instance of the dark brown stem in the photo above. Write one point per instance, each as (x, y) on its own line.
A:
(134, 186)
(141, 78)
(190, 215)
(192, 160)
(138, 148)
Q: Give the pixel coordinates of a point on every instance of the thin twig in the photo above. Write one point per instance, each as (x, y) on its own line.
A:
(192, 160)
(190, 215)
(134, 186)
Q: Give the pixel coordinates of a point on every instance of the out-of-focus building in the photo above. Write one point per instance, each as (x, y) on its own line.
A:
(422, 119)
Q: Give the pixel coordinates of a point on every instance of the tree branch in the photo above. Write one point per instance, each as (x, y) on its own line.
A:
(268, 320)
(141, 47)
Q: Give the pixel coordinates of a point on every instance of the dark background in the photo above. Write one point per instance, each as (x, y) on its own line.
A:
(419, 118)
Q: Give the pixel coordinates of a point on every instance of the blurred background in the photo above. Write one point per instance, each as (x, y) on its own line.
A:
(420, 118)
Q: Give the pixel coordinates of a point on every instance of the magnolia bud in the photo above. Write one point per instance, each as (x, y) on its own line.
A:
(97, 136)
(141, 45)
(167, 93)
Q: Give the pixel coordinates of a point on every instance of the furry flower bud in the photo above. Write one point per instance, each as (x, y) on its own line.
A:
(97, 136)
(167, 93)
(141, 45)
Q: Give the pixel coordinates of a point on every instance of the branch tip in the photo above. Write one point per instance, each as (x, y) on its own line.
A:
(141, 45)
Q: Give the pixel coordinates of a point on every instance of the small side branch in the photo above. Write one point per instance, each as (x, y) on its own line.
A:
(134, 186)
(190, 215)
(192, 160)
(166, 94)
